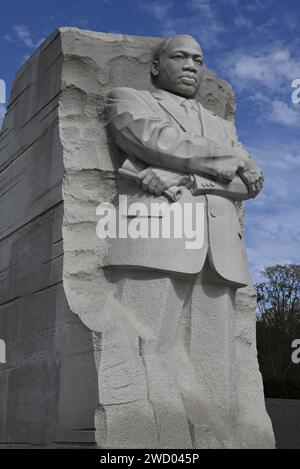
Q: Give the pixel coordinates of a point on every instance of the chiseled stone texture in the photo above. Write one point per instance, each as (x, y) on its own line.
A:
(56, 168)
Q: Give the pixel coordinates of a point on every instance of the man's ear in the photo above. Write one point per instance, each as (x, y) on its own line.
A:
(154, 68)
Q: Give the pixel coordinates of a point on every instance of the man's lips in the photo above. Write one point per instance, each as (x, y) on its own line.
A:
(188, 80)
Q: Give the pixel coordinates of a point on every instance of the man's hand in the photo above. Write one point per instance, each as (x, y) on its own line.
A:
(252, 176)
(157, 180)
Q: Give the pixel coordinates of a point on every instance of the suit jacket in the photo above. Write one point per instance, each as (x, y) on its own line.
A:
(155, 129)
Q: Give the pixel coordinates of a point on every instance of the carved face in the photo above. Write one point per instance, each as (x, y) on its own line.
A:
(180, 67)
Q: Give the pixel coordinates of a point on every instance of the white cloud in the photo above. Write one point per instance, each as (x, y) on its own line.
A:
(258, 97)
(200, 21)
(270, 68)
(205, 23)
(272, 238)
(158, 9)
(265, 76)
(284, 114)
(281, 164)
(204, 7)
(207, 34)
(25, 36)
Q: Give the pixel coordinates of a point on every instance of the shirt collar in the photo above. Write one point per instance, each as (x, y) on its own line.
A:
(180, 100)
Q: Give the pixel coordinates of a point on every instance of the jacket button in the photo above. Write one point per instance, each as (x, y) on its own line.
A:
(212, 184)
(212, 213)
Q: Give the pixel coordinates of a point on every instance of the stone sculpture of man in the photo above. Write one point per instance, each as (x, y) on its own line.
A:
(182, 372)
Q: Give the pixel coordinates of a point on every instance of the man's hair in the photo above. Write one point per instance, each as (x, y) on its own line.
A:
(161, 48)
(157, 53)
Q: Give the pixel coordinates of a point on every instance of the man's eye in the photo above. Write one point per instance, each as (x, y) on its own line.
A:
(198, 61)
(177, 56)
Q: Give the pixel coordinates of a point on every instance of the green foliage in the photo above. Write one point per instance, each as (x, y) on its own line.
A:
(278, 324)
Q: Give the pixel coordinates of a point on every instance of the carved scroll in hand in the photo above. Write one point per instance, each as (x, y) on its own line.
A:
(131, 169)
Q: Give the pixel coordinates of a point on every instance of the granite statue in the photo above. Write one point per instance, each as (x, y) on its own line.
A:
(183, 298)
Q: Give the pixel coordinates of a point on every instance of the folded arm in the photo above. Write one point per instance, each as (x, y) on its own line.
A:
(235, 190)
(139, 131)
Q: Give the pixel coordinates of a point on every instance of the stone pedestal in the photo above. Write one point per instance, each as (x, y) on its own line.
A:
(55, 169)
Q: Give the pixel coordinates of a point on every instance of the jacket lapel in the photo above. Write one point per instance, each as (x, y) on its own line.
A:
(171, 107)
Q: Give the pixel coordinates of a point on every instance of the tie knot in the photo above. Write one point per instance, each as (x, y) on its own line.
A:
(188, 105)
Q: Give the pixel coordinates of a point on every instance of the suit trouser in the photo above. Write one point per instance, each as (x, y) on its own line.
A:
(168, 374)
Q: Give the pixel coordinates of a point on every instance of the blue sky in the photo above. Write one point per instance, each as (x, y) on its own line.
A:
(254, 44)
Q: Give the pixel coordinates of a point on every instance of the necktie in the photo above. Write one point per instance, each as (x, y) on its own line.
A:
(188, 107)
(192, 112)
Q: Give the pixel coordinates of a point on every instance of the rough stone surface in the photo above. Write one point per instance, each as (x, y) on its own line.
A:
(56, 168)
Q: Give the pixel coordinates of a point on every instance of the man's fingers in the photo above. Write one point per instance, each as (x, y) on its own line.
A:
(254, 181)
(157, 183)
(146, 181)
(160, 187)
(246, 177)
(158, 190)
(153, 184)
(261, 181)
(255, 188)
(156, 186)
(252, 188)
(142, 175)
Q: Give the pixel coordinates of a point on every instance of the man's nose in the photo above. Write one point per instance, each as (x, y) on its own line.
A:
(189, 65)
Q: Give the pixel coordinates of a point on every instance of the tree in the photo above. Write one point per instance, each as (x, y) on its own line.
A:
(278, 325)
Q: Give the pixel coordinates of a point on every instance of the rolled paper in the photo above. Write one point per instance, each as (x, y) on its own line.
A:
(173, 193)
